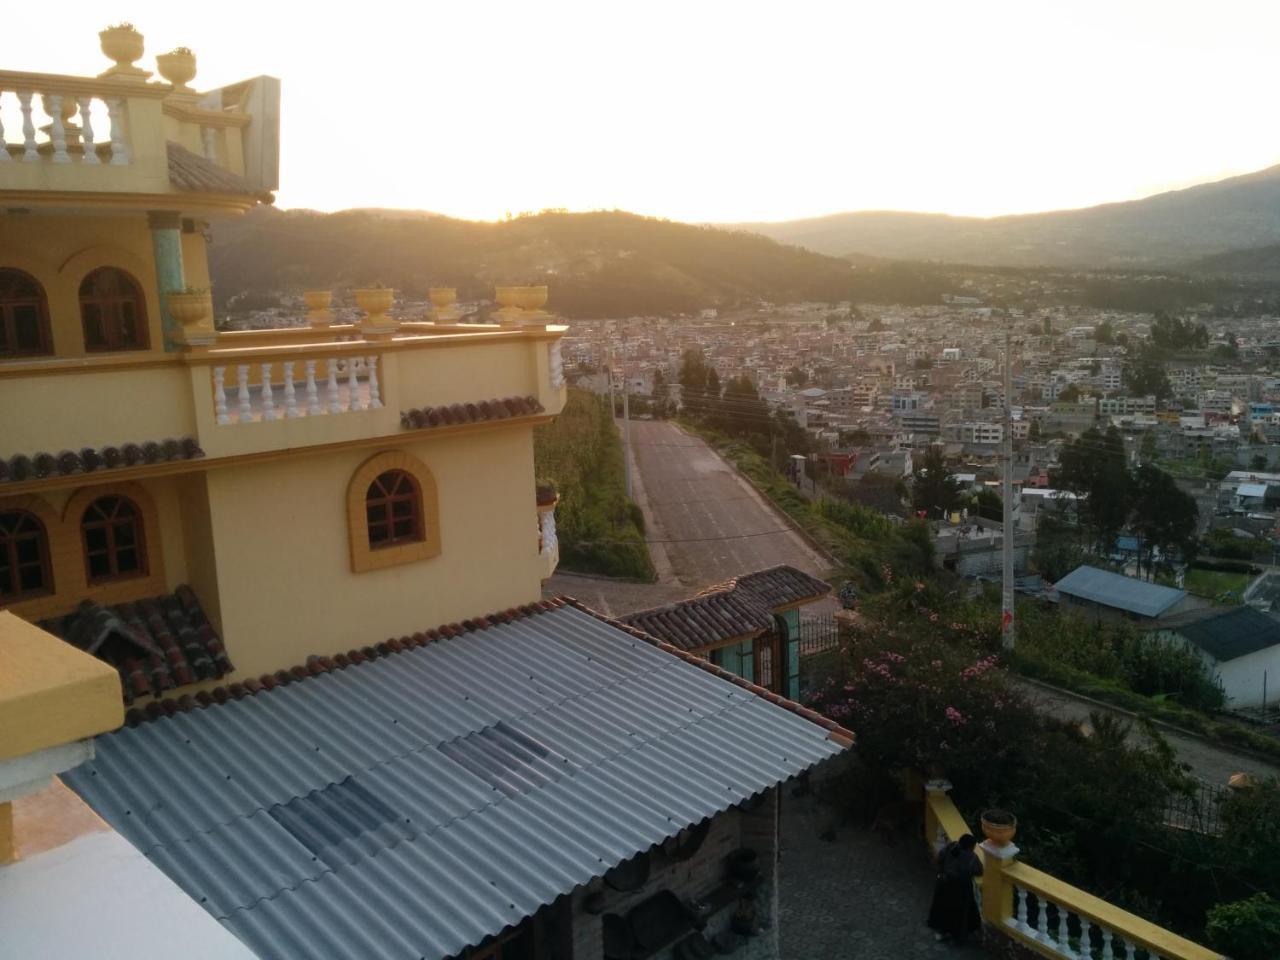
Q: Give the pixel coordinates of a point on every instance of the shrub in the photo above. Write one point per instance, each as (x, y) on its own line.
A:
(1246, 929)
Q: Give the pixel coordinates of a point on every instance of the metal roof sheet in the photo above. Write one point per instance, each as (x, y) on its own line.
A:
(1225, 633)
(333, 817)
(1118, 591)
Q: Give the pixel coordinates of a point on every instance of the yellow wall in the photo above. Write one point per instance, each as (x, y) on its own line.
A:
(60, 250)
(284, 570)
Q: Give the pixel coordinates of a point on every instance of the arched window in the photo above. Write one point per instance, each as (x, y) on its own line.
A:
(24, 316)
(113, 311)
(24, 556)
(114, 544)
(393, 510)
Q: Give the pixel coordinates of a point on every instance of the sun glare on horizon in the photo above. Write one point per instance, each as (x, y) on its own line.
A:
(727, 112)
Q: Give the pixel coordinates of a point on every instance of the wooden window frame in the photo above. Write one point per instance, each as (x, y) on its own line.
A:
(8, 321)
(8, 551)
(75, 585)
(366, 557)
(110, 310)
(111, 525)
(380, 496)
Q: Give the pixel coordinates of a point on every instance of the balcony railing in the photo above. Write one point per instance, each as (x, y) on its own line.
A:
(1048, 916)
(305, 387)
(62, 120)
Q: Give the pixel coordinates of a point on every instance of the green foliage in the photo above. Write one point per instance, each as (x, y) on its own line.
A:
(600, 530)
(1174, 334)
(935, 490)
(1145, 375)
(1246, 929)
(1117, 651)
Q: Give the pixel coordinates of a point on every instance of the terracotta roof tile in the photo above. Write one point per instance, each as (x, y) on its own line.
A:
(39, 466)
(425, 418)
(155, 645)
(192, 172)
(740, 607)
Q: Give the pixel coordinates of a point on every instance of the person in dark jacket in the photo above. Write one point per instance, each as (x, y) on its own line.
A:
(953, 915)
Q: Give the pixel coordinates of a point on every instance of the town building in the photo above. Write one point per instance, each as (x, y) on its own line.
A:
(1103, 595)
(1239, 647)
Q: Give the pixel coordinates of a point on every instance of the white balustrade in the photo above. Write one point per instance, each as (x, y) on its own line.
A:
(267, 394)
(208, 135)
(352, 385)
(290, 398)
(1056, 938)
(557, 366)
(547, 522)
(66, 142)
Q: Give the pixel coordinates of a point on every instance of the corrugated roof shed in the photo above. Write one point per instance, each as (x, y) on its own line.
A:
(1225, 633)
(1118, 591)
(415, 804)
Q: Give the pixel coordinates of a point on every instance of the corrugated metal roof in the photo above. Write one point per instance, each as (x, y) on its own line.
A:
(413, 805)
(1225, 633)
(1115, 590)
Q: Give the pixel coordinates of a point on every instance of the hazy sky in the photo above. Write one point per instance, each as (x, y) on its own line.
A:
(700, 110)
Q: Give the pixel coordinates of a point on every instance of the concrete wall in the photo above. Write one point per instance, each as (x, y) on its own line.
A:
(694, 879)
(285, 587)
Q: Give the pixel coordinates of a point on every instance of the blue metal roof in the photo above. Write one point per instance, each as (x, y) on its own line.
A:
(412, 806)
(1118, 591)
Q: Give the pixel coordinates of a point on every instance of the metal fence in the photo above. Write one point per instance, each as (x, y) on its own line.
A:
(818, 634)
(1200, 811)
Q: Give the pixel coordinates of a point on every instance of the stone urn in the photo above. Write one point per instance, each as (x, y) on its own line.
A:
(194, 310)
(123, 44)
(509, 312)
(375, 302)
(317, 302)
(443, 300)
(178, 67)
(531, 298)
(999, 826)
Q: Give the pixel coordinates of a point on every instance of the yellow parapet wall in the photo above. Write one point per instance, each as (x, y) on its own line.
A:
(50, 692)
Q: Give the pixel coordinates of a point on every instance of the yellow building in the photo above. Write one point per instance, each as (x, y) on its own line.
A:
(194, 505)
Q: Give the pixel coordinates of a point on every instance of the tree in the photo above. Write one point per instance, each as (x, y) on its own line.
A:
(1163, 514)
(1093, 468)
(1147, 447)
(988, 504)
(742, 411)
(796, 377)
(923, 363)
(1258, 462)
(694, 379)
(876, 325)
(1104, 333)
(1036, 431)
(659, 394)
(1069, 394)
(935, 491)
(1145, 375)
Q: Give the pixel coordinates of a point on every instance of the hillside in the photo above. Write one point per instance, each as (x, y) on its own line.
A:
(596, 264)
(1162, 230)
(1261, 263)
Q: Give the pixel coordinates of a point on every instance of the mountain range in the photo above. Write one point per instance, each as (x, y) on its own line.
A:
(1169, 230)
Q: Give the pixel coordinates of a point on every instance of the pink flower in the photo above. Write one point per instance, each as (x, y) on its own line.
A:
(955, 716)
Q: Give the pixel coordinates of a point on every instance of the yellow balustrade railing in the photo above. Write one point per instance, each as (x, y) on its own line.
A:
(1046, 915)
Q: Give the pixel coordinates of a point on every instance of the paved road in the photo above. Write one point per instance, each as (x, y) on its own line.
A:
(1207, 761)
(705, 524)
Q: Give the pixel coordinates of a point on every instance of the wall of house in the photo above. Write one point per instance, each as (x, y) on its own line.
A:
(694, 879)
(286, 588)
(60, 250)
(164, 504)
(1241, 679)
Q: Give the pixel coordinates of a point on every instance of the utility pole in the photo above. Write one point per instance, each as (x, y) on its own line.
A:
(626, 415)
(1006, 615)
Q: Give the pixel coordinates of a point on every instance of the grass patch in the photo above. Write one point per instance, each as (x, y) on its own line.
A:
(1215, 583)
(600, 530)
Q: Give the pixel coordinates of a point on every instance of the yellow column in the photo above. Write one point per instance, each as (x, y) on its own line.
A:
(997, 892)
(8, 849)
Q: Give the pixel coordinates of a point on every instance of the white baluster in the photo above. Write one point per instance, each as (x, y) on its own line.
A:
(1042, 919)
(1020, 894)
(242, 394)
(335, 403)
(210, 146)
(86, 132)
(57, 131)
(353, 387)
(1064, 941)
(375, 390)
(290, 401)
(1086, 938)
(1107, 953)
(1129, 948)
(268, 395)
(313, 395)
(4, 149)
(29, 151)
(119, 148)
(220, 395)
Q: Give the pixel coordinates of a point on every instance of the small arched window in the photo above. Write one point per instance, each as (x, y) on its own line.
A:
(393, 510)
(24, 557)
(24, 316)
(114, 544)
(113, 311)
